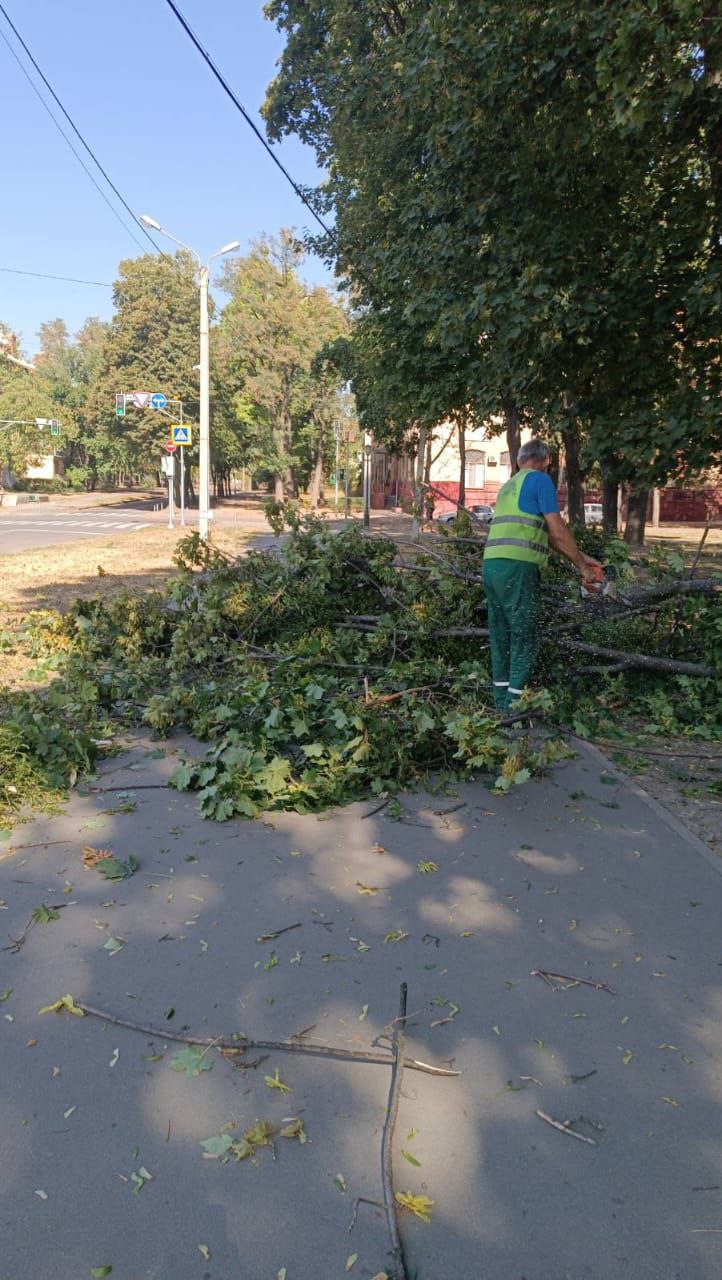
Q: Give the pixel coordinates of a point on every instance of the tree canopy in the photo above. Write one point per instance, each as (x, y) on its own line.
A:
(527, 197)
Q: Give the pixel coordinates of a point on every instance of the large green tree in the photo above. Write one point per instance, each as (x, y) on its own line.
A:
(151, 344)
(491, 206)
(270, 340)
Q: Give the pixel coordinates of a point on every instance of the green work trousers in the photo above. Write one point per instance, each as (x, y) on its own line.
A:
(512, 593)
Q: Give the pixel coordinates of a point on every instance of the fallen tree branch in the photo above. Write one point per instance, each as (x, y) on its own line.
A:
(397, 1072)
(613, 668)
(242, 1043)
(648, 662)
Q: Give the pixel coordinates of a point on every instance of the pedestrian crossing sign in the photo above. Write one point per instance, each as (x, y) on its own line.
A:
(181, 434)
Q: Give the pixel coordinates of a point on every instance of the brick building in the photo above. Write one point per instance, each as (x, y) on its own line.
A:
(487, 469)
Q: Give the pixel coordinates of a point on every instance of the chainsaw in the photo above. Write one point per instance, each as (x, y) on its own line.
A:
(598, 583)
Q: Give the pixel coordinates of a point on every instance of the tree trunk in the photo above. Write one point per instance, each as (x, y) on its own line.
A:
(418, 485)
(712, 80)
(610, 501)
(575, 493)
(513, 433)
(553, 471)
(279, 492)
(636, 517)
(462, 465)
(316, 485)
(314, 489)
(428, 492)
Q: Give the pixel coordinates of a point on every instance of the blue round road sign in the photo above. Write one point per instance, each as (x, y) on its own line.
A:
(158, 401)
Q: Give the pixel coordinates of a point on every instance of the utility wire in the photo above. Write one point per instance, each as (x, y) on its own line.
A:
(42, 275)
(75, 129)
(248, 119)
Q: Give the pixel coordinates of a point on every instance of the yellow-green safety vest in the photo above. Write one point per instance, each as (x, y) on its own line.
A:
(513, 533)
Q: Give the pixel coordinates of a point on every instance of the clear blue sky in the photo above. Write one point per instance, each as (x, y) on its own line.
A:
(162, 127)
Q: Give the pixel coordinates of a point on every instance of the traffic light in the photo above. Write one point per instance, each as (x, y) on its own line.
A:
(54, 427)
(120, 405)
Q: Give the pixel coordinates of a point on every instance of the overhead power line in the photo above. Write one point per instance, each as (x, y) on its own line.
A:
(248, 118)
(43, 275)
(75, 129)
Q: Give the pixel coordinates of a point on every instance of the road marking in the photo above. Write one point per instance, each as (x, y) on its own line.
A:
(42, 525)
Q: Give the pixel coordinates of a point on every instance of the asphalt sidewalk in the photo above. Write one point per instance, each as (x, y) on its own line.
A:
(574, 875)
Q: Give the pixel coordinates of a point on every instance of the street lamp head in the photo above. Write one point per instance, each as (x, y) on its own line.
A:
(146, 221)
(229, 248)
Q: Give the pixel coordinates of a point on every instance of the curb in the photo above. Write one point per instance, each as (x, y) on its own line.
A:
(657, 808)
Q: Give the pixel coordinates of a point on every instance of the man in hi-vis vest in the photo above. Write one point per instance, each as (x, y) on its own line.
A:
(526, 523)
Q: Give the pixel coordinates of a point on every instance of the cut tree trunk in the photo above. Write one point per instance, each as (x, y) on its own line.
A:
(513, 433)
(575, 493)
(637, 503)
(462, 465)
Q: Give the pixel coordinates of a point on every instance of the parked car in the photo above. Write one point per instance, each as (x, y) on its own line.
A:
(482, 514)
(592, 513)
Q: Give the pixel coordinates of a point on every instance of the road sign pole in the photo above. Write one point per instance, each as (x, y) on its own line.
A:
(204, 495)
(183, 480)
(170, 499)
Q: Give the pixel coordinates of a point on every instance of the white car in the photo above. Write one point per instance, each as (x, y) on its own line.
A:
(483, 514)
(593, 513)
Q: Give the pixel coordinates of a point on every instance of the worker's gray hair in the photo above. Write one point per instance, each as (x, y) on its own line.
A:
(533, 451)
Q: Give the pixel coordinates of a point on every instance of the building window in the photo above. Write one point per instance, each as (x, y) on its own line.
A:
(474, 475)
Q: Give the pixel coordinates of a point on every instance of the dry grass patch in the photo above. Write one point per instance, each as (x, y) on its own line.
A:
(54, 577)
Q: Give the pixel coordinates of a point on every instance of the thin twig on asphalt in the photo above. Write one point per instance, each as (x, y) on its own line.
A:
(17, 943)
(397, 1072)
(269, 937)
(564, 1127)
(548, 975)
(241, 1043)
(362, 1200)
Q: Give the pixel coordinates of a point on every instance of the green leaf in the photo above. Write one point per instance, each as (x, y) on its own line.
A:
(116, 869)
(411, 1159)
(192, 1060)
(217, 1146)
(340, 1182)
(5, 995)
(295, 1130)
(99, 1272)
(275, 1082)
(43, 914)
(114, 945)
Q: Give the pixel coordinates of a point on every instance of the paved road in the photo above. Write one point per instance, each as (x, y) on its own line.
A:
(576, 874)
(21, 530)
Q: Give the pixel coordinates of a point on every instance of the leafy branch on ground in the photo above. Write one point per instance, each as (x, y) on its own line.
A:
(326, 671)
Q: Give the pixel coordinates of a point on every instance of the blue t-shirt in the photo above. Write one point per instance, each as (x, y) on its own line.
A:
(537, 496)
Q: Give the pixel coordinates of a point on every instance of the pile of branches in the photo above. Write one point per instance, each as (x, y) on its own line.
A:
(337, 666)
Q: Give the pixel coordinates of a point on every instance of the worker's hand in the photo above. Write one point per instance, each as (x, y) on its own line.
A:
(590, 567)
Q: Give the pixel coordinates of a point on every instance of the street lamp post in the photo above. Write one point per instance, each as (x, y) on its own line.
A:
(204, 451)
